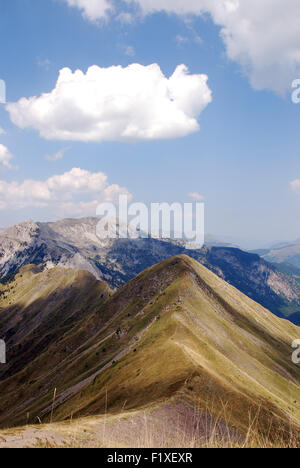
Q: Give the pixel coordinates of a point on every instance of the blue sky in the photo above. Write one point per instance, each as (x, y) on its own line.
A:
(242, 159)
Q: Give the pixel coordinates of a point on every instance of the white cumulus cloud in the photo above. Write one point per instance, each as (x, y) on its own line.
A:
(263, 36)
(73, 193)
(116, 104)
(93, 10)
(5, 157)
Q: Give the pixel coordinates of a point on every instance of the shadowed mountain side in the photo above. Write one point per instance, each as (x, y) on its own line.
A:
(175, 335)
(254, 277)
(38, 308)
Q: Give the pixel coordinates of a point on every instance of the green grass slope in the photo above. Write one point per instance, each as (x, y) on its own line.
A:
(176, 336)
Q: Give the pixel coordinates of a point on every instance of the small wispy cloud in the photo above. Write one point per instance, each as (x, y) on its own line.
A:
(183, 40)
(180, 40)
(5, 158)
(295, 186)
(129, 50)
(196, 196)
(125, 17)
(198, 39)
(58, 155)
(93, 10)
(43, 63)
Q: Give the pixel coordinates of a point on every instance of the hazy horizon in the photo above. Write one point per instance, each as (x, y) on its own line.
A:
(243, 243)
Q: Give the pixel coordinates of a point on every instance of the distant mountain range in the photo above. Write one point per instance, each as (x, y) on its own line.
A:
(212, 241)
(73, 243)
(173, 344)
(288, 253)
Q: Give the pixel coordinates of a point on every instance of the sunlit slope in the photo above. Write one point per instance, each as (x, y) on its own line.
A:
(175, 334)
(202, 341)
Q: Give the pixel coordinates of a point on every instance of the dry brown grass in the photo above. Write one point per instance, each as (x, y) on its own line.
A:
(146, 429)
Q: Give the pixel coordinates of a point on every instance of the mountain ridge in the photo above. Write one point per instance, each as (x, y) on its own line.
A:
(287, 254)
(175, 336)
(74, 244)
